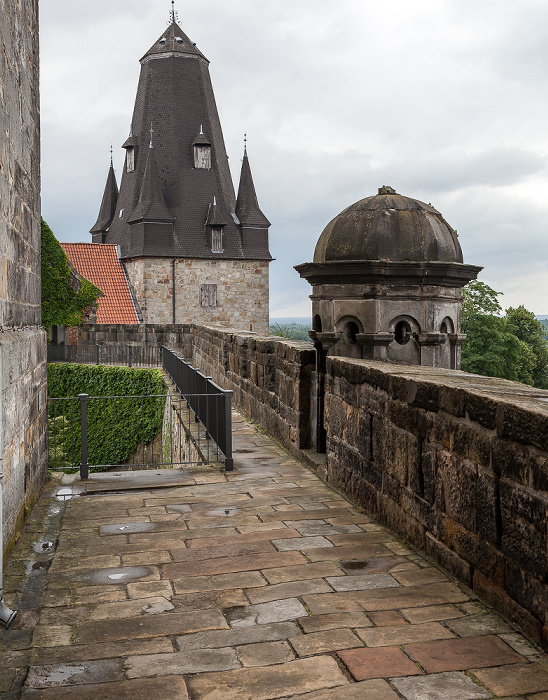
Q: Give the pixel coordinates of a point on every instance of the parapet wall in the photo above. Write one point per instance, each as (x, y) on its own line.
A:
(456, 463)
(272, 380)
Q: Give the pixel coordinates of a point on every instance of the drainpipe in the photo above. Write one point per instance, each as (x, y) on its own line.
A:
(7, 616)
(173, 295)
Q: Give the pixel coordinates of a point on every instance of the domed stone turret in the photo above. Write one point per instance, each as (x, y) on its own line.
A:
(386, 278)
(388, 226)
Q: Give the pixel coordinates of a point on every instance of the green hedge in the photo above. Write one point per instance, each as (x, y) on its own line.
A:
(116, 427)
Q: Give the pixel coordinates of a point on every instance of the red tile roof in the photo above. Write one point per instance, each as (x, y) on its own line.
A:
(99, 263)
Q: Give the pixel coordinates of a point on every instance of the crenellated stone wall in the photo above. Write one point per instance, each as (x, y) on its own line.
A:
(22, 341)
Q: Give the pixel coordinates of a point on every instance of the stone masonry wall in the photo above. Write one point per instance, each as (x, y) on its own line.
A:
(22, 342)
(176, 337)
(241, 291)
(272, 379)
(458, 464)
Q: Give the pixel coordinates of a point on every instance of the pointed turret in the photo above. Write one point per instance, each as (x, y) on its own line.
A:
(247, 205)
(253, 223)
(108, 208)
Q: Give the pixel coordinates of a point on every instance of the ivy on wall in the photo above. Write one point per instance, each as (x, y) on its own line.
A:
(62, 302)
(116, 427)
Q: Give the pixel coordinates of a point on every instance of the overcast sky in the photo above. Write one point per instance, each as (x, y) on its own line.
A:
(444, 100)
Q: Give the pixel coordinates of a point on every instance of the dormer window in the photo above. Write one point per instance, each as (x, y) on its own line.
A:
(202, 156)
(130, 160)
(202, 151)
(217, 239)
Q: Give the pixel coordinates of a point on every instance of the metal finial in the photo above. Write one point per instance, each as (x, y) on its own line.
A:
(245, 144)
(111, 162)
(151, 135)
(201, 128)
(173, 15)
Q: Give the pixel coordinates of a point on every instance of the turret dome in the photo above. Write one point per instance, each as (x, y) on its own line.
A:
(388, 226)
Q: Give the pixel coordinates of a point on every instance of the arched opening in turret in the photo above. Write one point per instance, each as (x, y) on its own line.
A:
(350, 327)
(402, 332)
(447, 325)
(317, 323)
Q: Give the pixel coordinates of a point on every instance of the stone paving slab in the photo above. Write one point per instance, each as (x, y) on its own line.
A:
(258, 584)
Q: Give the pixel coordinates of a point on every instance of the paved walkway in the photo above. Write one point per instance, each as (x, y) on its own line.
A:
(260, 584)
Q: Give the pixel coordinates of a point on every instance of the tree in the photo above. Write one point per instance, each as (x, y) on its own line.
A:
(511, 346)
(64, 297)
(491, 348)
(531, 333)
(479, 298)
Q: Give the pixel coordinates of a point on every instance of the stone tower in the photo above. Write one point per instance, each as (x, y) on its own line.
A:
(192, 251)
(386, 278)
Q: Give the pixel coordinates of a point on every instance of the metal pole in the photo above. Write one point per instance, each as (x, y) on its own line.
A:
(229, 464)
(84, 471)
(7, 616)
(129, 354)
(96, 353)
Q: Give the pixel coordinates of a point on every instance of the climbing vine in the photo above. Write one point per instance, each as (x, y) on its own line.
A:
(62, 302)
(116, 427)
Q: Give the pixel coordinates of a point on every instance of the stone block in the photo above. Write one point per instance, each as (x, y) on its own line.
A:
(456, 484)
(528, 590)
(511, 461)
(449, 559)
(524, 514)
(524, 425)
(482, 410)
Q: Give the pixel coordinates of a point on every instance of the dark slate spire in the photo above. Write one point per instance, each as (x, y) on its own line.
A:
(151, 205)
(189, 161)
(247, 206)
(108, 206)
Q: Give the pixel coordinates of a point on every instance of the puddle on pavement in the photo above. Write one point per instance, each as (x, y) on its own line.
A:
(127, 528)
(242, 452)
(219, 512)
(121, 575)
(354, 566)
(65, 494)
(43, 547)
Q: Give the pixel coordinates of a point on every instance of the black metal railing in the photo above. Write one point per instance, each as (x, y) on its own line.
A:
(128, 355)
(211, 404)
(134, 432)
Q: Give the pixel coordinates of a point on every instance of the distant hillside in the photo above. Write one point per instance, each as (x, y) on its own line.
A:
(292, 328)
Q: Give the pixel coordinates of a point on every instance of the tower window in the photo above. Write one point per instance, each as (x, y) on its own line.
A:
(208, 295)
(202, 157)
(216, 239)
(130, 160)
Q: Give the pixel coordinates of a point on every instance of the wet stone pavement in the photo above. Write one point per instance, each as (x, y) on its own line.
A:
(259, 584)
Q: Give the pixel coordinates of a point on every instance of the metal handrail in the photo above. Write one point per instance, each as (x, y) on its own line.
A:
(211, 404)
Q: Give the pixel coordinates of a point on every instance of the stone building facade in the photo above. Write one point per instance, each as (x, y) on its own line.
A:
(223, 292)
(22, 341)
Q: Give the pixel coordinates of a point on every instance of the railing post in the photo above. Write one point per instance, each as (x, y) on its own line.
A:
(96, 353)
(229, 464)
(129, 354)
(84, 471)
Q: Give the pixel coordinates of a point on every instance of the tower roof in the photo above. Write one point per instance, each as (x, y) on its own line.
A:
(151, 205)
(173, 42)
(108, 204)
(247, 205)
